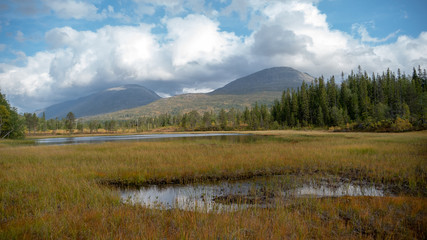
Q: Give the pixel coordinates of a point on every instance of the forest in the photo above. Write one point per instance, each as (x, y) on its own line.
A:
(359, 102)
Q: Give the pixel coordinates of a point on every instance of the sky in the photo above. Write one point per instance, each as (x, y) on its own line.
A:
(57, 50)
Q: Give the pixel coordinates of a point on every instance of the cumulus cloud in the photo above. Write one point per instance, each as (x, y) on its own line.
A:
(31, 82)
(196, 40)
(73, 9)
(276, 40)
(109, 54)
(405, 53)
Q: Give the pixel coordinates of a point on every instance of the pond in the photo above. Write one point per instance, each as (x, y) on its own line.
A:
(234, 195)
(144, 137)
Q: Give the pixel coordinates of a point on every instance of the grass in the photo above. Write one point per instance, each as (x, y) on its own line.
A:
(62, 191)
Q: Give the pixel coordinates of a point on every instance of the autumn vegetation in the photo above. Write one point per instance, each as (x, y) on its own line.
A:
(70, 191)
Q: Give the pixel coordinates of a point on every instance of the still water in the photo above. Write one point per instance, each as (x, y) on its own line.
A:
(140, 137)
(234, 195)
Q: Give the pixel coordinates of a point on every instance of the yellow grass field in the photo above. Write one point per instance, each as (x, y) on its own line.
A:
(65, 192)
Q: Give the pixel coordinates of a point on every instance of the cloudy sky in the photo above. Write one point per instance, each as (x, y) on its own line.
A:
(56, 50)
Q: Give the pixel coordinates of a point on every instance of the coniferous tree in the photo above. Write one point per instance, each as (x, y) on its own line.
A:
(304, 105)
(69, 121)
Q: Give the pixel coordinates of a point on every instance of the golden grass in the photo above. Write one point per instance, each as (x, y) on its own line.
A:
(55, 191)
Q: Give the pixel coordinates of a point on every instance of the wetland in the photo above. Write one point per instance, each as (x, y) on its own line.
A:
(275, 184)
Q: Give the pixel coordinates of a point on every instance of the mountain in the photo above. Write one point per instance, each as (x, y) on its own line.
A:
(267, 80)
(109, 100)
(261, 87)
(186, 103)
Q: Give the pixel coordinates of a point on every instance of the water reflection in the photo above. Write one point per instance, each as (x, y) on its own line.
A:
(146, 137)
(227, 196)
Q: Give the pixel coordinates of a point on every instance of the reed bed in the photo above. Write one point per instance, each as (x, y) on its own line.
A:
(63, 191)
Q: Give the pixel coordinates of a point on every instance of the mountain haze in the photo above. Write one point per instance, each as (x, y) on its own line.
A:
(109, 100)
(271, 79)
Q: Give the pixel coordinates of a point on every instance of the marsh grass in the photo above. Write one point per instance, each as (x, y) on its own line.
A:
(62, 191)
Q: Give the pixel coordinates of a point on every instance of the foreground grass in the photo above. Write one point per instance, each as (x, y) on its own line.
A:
(59, 191)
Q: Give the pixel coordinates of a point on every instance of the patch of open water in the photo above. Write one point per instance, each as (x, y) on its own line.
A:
(234, 195)
(143, 137)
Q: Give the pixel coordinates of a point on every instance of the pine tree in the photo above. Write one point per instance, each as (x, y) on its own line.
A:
(323, 101)
(304, 105)
(294, 109)
(69, 121)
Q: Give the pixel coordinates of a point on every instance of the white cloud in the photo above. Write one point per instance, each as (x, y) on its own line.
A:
(196, 40)
(197, 90)
(109, 54)
(164, 95)
(73, 9)
(116, 89)
(405, 53)
(31, 81)
(365, 37)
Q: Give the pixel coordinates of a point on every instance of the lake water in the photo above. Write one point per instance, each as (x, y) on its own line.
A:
(143, 137)
(234, 195)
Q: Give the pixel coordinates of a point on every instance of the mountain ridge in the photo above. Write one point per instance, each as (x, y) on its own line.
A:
(105, 101)
(265, 86)
(262, 87)
(269, 79)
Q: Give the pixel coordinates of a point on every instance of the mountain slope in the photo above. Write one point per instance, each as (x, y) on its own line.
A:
(193, 101)
(261, 87)
(109, 100)
(271, 79)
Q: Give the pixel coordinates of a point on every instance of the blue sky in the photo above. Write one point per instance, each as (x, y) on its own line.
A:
(55, 50)
(381, 17)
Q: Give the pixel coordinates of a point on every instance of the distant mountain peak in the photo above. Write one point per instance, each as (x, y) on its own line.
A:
(267, 80)
(106, 101)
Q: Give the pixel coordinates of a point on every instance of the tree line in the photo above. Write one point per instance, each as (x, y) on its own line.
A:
(360, 102)
(378, 102)
(386, 102)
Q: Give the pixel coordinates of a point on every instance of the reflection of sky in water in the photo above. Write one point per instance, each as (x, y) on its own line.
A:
(346, 189)
(199, 197)
(187, 197)
(140, 137)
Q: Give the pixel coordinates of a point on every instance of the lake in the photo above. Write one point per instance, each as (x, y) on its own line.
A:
(145, 137)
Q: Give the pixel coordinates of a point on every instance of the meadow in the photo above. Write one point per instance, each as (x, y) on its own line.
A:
(70, 191)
